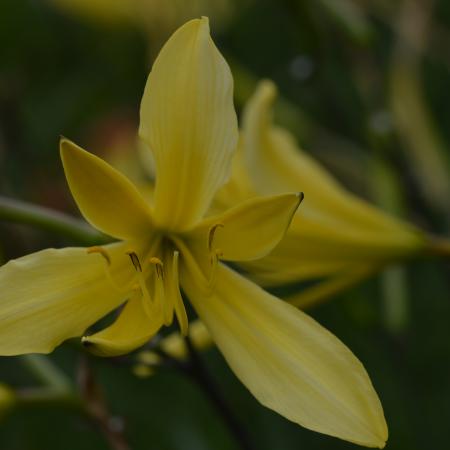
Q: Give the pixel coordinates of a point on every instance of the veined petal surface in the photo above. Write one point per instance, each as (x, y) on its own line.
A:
(52, 295)
(289, 362)
(313, 248)
(334, 231)
(188, 121)
(250, 230)
(132, 329)
(276, 164)
(106, 198)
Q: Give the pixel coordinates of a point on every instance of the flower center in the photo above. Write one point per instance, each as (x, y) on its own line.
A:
(155, 279)
(155, 275)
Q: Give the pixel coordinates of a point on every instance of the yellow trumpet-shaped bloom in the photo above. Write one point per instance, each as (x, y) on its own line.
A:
(287, 360)
(334, 232)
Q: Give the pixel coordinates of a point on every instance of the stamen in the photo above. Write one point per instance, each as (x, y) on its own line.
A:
(160, 296)
(215, 258)
(101, 251)
(135, 260)
(148, 303)
(215, 254)
(212, 232)
(158, 266)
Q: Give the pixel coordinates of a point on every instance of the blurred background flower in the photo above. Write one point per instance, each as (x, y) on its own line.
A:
(156, 18)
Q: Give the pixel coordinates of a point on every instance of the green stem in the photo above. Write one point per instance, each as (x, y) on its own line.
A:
(198, 372)
(56, 389)
(47, 373)
(389, 195)
(41, 397)
(49, 220)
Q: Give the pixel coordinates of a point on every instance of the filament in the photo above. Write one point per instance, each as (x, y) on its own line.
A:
(148, 303)
(215, 258)
(160, 294)
(107, 267)
(212, 233)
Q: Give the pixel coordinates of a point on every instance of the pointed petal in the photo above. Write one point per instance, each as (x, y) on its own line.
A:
(334, 231)
(250, 230)
(314, 247)
(289, 362)
(188, 121)
(276, 164)
(106, 198)
(131, 330)
(52, 295)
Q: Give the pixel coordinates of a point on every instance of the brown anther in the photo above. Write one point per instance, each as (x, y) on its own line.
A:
(135, 260)
(212, 232)
(101, 251)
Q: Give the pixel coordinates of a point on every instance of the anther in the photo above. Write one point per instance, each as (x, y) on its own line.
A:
(101, 251)
(160, 294)
(148, 303)
(135, 260)
(212, 232)
(159, 266)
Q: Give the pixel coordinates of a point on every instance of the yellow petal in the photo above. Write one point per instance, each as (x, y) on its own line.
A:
(314, 248)
(289, 362)
(188, 121)
(239, 188)
(52, 295)
(276, 164)
(250, 230)
(132, 329)
(334, 231)
(106, 198)
(174, 345)
(328, 288)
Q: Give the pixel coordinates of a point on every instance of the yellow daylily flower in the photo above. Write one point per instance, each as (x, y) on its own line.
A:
(287, 360)
(335, 233)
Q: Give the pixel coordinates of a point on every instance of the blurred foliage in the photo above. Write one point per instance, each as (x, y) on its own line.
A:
(340, 69)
